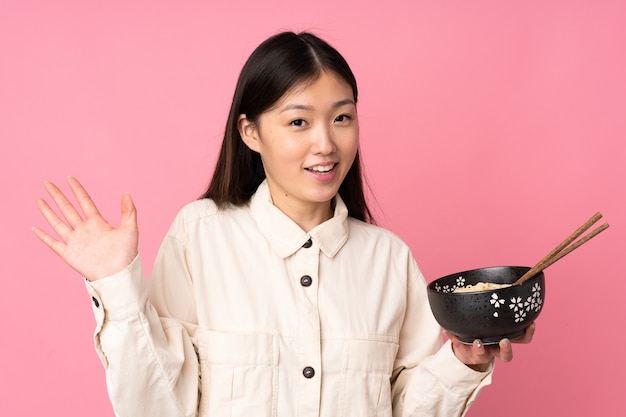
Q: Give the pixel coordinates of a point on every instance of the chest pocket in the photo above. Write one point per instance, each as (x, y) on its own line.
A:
(239, 375)
(366, 379)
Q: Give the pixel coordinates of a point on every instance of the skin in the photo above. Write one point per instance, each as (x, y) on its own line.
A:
(478, 356)
(313, 125)
(87, 242)
(312, 128)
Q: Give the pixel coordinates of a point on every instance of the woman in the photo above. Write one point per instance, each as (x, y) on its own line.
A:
(273, 295)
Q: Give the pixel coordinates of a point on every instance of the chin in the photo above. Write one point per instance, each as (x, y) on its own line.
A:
(325, 196)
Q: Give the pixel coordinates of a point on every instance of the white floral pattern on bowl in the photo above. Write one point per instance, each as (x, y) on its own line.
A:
(491, 314)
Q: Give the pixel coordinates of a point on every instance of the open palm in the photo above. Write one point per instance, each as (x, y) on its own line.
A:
(88, 243)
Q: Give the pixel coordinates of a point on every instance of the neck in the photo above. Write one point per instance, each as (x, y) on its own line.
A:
(307, 216)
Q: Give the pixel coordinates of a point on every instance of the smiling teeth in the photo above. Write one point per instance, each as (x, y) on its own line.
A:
(322, 168)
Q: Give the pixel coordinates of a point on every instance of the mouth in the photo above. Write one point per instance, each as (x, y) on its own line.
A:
(322, 169)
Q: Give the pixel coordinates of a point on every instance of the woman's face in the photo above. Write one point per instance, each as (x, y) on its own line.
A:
(307, 142)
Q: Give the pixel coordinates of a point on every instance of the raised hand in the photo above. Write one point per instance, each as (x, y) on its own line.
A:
(88, 243)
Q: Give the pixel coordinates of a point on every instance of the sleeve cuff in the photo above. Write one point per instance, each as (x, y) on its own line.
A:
(119, 296)
(454, 374)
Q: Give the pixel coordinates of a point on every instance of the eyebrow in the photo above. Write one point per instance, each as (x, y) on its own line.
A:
(336, 105)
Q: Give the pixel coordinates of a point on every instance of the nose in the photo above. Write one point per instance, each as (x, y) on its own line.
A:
(323, 142)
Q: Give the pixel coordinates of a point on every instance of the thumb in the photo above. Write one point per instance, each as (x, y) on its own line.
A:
(129, 213)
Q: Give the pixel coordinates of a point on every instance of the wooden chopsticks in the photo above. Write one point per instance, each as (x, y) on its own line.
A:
(564, 248)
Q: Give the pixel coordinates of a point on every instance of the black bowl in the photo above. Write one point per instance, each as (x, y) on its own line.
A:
(489, 315)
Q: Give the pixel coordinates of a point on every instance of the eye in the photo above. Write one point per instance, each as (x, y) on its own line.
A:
(343, 118)
(298, 122)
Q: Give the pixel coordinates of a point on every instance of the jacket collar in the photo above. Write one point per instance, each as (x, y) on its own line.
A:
(286, 237)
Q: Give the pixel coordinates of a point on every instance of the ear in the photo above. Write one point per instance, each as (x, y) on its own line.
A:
(248, 132)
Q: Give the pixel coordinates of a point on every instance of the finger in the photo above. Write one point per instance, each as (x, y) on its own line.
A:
(480, 352)
(129, 213)
(506, 350)
(56, 246)
(86, 203)
(58, 225)
(479, 347)
(481, 356)
(64, 205)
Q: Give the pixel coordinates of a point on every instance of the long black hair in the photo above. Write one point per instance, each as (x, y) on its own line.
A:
(273, 69)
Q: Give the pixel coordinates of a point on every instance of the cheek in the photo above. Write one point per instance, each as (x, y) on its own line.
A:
(281, 152)
(352, 144)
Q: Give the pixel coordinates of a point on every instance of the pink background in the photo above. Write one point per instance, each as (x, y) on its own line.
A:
(490, 131)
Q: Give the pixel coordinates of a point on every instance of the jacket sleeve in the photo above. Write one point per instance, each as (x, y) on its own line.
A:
(428, 379)
(148, 352)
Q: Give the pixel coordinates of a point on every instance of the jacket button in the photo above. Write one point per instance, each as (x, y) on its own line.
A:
(308, 372)
(95, 302)
(306, 281)
(307, 244)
